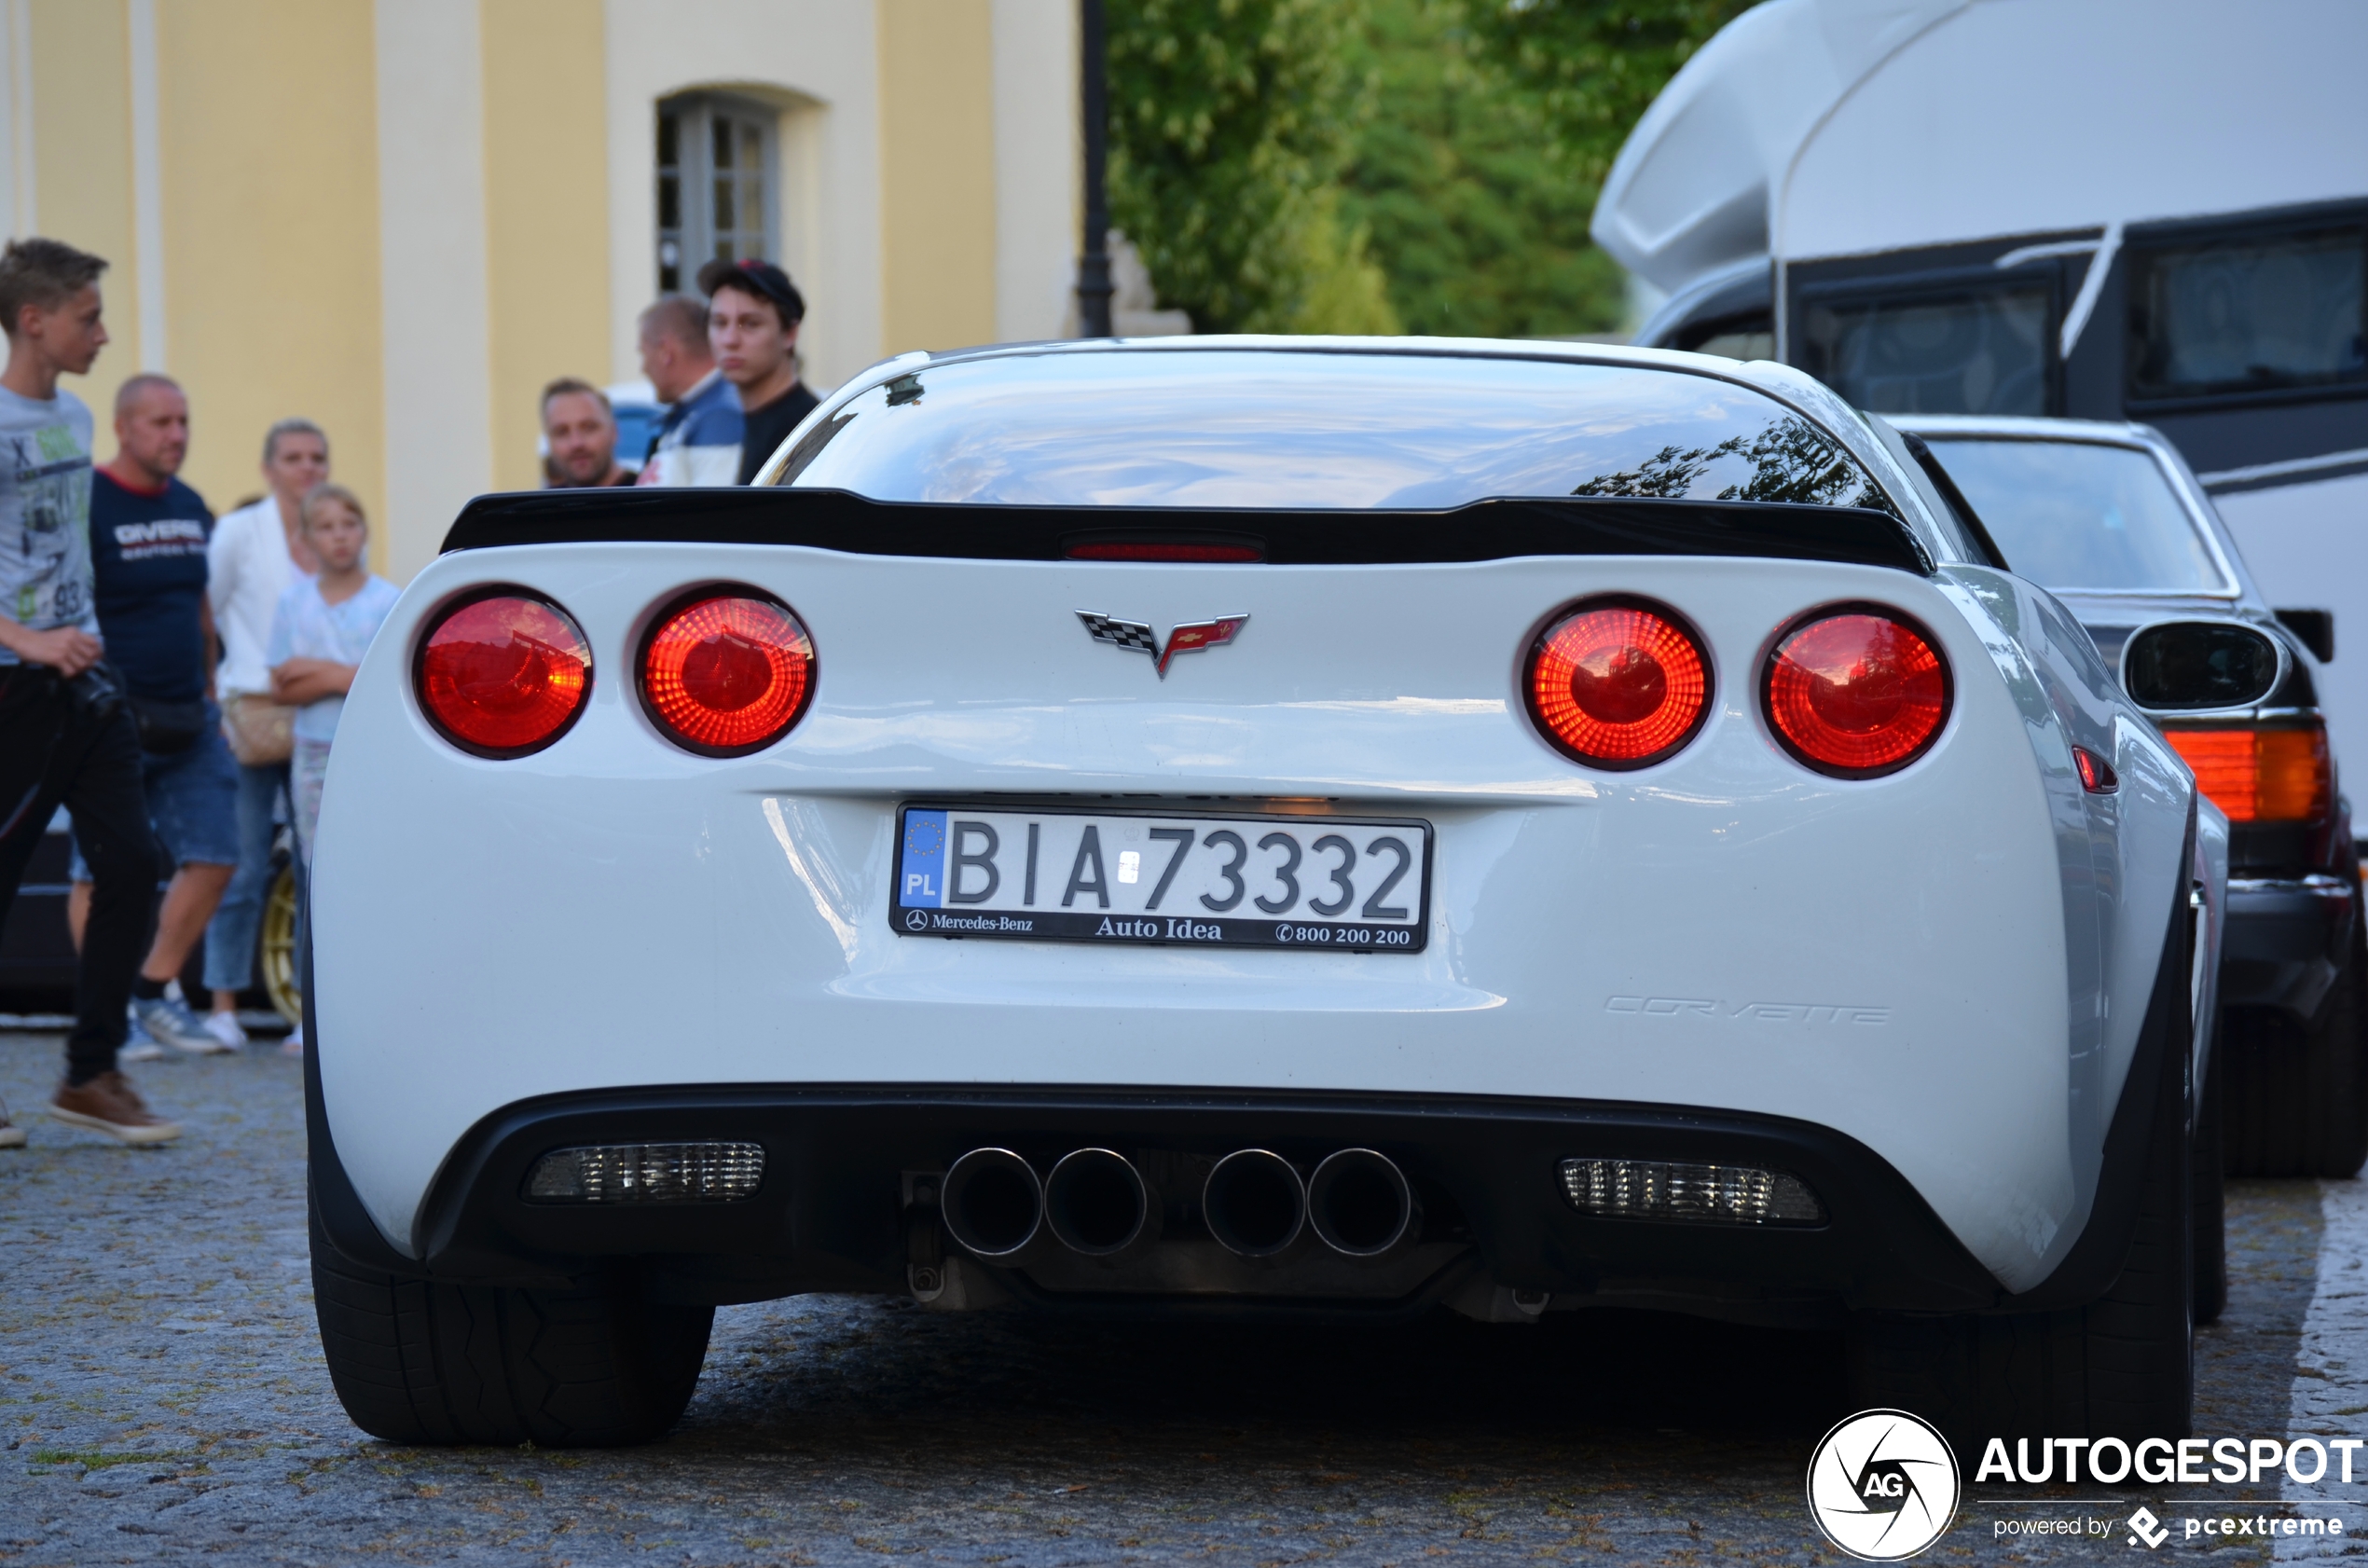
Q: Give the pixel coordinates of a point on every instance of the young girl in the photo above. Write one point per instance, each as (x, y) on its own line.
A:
(324, 626)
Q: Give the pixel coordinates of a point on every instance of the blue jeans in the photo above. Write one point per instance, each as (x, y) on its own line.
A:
(229, 941)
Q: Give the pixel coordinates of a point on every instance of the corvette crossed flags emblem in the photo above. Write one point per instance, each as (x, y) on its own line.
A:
(1189, 638)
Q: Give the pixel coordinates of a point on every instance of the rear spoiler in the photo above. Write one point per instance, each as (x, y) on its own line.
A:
(1483, 530)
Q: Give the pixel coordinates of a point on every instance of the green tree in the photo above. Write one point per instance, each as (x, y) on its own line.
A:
(1596, 65)
(1472, 207)
(1230, 122)
(1379, 165)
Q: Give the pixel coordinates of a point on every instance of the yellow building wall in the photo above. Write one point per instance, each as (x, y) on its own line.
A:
(937, 172)
(546, 214)
(268, 113)
(82, 172)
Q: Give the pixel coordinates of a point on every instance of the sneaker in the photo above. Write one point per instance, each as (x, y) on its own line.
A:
(173, 1024)
(12, 1135)
(137, 1045)
(108, 1104)
(293, 1044)
(223, 1027)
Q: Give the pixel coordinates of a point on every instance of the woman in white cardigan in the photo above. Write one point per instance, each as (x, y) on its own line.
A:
(255, 553)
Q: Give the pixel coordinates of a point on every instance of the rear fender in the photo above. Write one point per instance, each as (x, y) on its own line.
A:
(2125, 857)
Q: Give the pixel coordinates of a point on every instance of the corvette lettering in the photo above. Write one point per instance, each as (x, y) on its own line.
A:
(1189, 638)
(1771, 1012)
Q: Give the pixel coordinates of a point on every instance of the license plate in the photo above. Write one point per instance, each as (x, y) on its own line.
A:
(1335, 884)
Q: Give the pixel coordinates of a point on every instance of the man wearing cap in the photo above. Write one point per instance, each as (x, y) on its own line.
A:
(753, 311)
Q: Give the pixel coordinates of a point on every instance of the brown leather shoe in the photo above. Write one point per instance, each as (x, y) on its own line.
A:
(108, 1104)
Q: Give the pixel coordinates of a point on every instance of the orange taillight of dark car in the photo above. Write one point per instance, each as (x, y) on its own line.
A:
(2282, 775)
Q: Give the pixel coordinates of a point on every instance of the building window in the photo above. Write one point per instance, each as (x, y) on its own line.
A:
(2250, 313)
(715, 186)
(1986, 349)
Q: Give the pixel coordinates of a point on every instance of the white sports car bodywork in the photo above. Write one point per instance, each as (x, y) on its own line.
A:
(1945, 974)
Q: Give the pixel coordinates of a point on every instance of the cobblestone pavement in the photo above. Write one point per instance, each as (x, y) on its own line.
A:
(162, 1400)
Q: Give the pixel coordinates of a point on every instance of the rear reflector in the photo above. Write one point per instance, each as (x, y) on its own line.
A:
(503, 674)
(2260, 775)
(1618, 684)
(648, 1172)
(1857, 695)
(2096, 775)
(1717, 1194)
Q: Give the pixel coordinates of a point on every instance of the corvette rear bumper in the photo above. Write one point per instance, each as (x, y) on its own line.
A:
(838, 1209)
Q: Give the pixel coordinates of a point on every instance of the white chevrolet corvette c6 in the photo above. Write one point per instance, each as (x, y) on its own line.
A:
(1300, 827)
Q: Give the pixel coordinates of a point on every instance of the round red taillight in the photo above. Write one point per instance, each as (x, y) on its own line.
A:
(1857, 693)
(1618, 684)
(725, 673)
(503, 674)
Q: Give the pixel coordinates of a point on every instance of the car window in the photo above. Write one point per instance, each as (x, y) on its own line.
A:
(2073, 514)
(1938, 492)
(2250, 315)
(1984, 352)
(1317, 430)
(1749, 335)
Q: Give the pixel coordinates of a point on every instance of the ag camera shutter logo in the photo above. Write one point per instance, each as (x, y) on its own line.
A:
(1883, 1485)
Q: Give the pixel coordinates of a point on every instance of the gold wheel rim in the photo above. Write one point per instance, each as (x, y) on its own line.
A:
(279, 947)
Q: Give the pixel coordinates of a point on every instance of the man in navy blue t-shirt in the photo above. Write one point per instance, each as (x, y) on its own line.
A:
(148, 533)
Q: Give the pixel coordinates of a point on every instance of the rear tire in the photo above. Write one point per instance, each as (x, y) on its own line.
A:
(419, 1361)
(2122, 1366)
(2297, 1094)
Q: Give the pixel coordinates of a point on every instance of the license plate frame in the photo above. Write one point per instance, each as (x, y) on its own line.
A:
(1241, 925)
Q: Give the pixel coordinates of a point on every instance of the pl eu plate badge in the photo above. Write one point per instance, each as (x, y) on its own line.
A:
(921, 872)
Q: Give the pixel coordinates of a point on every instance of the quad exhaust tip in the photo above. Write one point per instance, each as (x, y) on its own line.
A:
(992, 1203)
(1361, 1203)
(1255, 1203)
(1095, 1202)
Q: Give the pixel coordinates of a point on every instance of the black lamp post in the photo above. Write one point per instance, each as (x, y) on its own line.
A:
(1094, 264)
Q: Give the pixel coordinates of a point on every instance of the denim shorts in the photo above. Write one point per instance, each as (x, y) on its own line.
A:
(193, 800)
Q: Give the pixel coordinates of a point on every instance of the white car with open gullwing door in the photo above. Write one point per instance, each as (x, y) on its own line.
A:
(1319, 828)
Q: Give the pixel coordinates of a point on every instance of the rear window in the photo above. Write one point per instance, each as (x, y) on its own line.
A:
(2073, 514)
(1289, 429)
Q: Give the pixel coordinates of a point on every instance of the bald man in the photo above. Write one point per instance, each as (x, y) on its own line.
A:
(698, 441)
(148, 534)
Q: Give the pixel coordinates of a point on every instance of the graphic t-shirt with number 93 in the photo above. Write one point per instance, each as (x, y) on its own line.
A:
(45, 514)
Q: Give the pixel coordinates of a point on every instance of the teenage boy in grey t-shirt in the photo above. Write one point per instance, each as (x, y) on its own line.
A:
(44, 515)
(66, 736)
